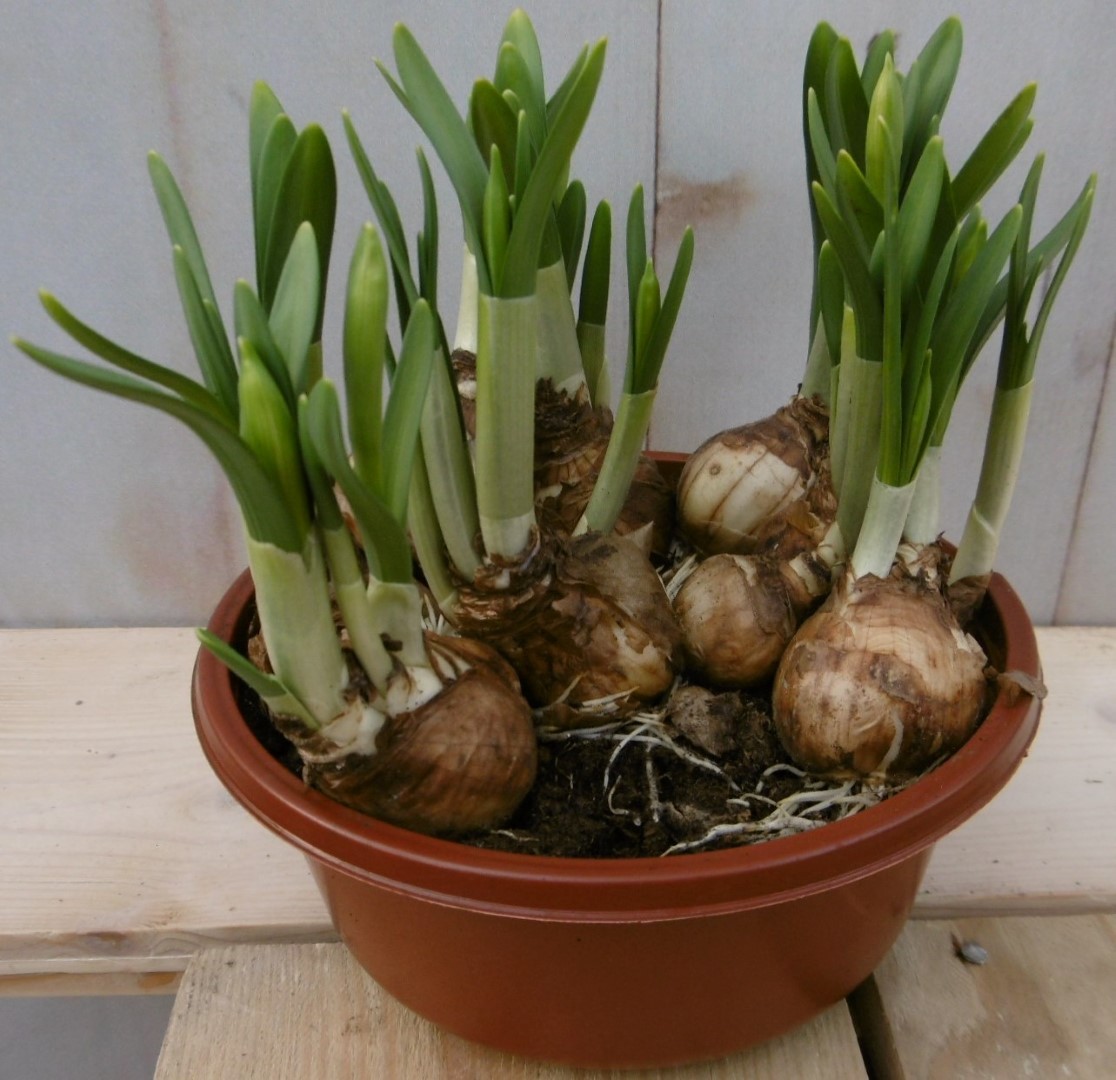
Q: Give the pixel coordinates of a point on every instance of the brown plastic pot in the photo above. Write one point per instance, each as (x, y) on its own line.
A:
(625, 962)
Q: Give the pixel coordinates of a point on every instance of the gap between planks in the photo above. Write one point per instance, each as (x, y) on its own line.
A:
(1041, 1006)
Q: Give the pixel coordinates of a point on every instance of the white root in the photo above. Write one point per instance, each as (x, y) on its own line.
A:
(798, 812)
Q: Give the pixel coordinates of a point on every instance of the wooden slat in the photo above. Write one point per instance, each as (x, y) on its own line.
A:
(122, 853)
(95, 984)
(307, 1011)
(1041, 1006)
(1046, 842)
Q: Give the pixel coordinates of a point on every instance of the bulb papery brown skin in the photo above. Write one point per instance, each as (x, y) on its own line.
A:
(571, 437)
(736, 618)
(737, 613)
(738, 485)
(650, 501)
(598, 626)
(879, 681)
(461, 761)
(966, 595)
(464, 364)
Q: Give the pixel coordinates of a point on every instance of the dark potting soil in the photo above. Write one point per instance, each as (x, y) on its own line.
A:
(602, 797)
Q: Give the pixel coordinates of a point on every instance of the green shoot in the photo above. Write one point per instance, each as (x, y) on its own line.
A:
(653, 317)
(1011, 406)
(593, 305)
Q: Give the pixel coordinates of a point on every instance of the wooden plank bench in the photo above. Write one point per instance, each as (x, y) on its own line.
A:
(122, 860)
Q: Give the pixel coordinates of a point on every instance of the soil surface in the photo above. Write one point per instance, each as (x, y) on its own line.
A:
(642, 788)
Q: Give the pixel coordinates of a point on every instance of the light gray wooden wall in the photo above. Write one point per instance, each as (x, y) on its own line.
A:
(111, 515)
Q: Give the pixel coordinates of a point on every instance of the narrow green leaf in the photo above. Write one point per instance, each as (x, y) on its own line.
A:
(385, 542)
(912, 89)
(974, 235)
(918, 420)
(428, 238)
(251, 324)
(268, 686)
(494, 124)
(824, 161)
(597, 271)
(218, 372)
(831, 298)
(937, 66)
(387, 215)
(919, 212)
(1082, 209)
(327, 510)
(1028, 197)
(496, 222)
(884, 130)
(107, 350)
(1041, 256)
(921, 326)
(636, 251)
(404, 411)
(520, 33)
(277, 150)
(876, 262)
(818, 51)
(533, 208)
(264, 108)
(307, 193)
(995, 151)
(425, 97)
(268, 428)
(648, 305)
(656, 350)
(571, 227)
(859, 205)
(558, 98)
(525, 157)
(295, 314)
(513, 73)
(217, 327)
(846, 108)
(890, 454)
(961, 314)
(364, 338)
(862, 291)
(180, 226)
(1021, 285)
(820, 46)
(513, 102)
(881, 46)
(265, 513)
(271, 138)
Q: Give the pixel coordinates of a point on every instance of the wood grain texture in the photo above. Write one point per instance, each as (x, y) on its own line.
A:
(1042, 1006)
(120, 850)
(308, 1012)
(94, 984)
(123, 853)
(1046, 842)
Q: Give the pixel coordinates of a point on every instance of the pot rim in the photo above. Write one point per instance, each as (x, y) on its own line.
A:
(541, 886)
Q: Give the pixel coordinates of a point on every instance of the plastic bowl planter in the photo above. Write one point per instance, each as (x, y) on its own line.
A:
(626, 962)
